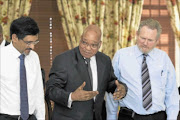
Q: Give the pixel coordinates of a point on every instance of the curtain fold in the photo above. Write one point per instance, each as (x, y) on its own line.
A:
(117, 19)
(10, 10)
(173, 7)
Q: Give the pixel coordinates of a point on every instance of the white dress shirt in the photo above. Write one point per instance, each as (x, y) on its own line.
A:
(127, 65)
(93, 65)
(3, 43)
(10, 83)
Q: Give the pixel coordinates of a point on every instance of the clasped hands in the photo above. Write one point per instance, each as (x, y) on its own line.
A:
(81, 95)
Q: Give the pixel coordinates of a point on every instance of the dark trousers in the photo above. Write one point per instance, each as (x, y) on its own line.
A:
(15, 117)
(127, 114)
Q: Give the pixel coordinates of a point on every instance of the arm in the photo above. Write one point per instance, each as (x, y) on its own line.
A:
(57, 82)
(111, 104)
(111, 107)
(40, 105)
(121, 88)
(171, 95)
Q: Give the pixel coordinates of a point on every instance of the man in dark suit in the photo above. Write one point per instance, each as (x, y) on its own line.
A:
(77, 91)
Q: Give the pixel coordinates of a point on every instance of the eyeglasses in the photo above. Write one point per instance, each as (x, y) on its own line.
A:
(31, 42)
(93, 46)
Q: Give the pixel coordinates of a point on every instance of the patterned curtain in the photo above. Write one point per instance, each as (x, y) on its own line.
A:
(173, 7)
(118, 20)
(10, 10)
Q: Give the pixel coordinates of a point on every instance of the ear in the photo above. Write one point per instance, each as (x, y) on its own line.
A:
(100, 44)
(14, 38)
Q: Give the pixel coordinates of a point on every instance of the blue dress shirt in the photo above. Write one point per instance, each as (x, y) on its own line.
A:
(127, 64)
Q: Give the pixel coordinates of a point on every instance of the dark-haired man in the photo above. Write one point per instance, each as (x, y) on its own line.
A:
(21, 87)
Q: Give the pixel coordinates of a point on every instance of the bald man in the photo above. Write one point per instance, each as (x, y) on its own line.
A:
(76, 86)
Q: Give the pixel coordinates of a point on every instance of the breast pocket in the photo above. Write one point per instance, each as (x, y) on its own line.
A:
(158, 77)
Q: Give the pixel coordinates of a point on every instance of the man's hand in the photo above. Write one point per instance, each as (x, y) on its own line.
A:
(81, 95)
(120, 91)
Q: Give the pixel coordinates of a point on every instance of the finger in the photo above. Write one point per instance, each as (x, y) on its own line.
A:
(92, 94)
(82, 86)
(117, 83)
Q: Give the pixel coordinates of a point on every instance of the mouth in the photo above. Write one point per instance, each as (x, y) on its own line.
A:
(28, 48)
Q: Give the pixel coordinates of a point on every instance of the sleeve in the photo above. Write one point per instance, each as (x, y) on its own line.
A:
(40, 105)
(171, 95)
(69, 101)
(111, 104)
(111, 85)
(57, 82)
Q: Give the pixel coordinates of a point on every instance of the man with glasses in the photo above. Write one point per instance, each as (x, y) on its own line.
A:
(21, 84)
(150, 76)
(79, 78)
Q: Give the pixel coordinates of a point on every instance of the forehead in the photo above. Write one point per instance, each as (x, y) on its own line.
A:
(148, 32)
(31, 38)
(91, 36)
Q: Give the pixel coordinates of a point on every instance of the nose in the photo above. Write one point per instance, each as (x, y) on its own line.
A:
(32, 46)
(88, 47)
(146, 42)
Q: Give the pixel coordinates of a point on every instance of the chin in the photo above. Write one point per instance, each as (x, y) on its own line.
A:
(27, 52)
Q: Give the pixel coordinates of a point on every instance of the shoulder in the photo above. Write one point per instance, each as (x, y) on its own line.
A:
(125, 51)
(65, 55)
(33, 54)
(160, 53)
(102, 56)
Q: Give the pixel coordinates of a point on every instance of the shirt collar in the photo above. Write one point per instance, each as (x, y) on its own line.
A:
(92, 58)
(138, 52)
(15, 52)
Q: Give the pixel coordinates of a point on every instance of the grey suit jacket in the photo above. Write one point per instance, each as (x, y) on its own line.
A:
(68, 72)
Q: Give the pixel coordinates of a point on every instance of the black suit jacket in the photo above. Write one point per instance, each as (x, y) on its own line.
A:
(68, 72)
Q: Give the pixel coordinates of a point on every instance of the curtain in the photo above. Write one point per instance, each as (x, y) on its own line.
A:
(10, 10)
(118, 20)
(173, 7)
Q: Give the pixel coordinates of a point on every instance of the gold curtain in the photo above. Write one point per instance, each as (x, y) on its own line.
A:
(118, 20)
(173, 7)
(10, 10)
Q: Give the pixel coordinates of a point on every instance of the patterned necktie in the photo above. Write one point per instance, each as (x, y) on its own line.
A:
(24, 108)
(146, 85)
(89, 70)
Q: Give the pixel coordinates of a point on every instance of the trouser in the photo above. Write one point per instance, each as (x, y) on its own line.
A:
(128, 114)
(15, 117)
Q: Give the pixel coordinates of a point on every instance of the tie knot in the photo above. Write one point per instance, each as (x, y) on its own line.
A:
(21, 57)
(87, 60)
(145, 55)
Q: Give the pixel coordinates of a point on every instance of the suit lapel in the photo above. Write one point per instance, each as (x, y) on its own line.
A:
(100, 70)
(82, 69)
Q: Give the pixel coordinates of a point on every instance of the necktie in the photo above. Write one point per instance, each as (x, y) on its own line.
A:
(24, 108)
(89, 70)
(146, 85)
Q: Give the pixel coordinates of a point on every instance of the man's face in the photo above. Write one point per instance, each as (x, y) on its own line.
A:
(27, 44)
(146, 39)
(89, 44)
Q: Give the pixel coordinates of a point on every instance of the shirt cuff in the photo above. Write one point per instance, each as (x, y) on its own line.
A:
(69, 101)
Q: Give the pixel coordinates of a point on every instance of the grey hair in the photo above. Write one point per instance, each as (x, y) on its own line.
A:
(152, 24)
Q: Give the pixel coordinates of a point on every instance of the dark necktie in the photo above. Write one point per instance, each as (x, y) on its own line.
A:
(24, 108)
(146, 85)
(89, 71)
